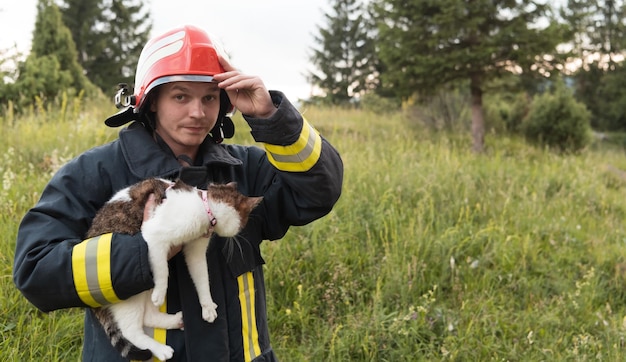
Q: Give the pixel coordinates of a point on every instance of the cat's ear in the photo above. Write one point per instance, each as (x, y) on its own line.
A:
(141, 191)
(252, 202)
(181, 185)
(158, 189)
(232, 184)
(178, 183)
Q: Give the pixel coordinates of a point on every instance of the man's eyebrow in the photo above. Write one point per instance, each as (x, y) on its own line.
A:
(213, 87)
(179, 87)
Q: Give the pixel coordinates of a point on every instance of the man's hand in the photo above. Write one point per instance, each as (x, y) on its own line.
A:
(246, 92)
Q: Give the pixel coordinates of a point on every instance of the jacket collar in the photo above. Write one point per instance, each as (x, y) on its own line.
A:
(145, 158)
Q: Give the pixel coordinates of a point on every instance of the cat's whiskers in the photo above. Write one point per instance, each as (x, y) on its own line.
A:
(229, 245)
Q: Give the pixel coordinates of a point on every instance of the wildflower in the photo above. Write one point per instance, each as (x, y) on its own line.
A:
(529, 337)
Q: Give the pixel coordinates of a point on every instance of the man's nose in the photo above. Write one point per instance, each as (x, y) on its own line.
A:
(197, 109)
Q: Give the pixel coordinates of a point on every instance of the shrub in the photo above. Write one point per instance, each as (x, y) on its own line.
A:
(610, 104)
(447, 110)
(504, 111)
(555, 119)
(372, 102)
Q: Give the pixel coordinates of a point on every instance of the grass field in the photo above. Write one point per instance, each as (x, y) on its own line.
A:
(432, 253)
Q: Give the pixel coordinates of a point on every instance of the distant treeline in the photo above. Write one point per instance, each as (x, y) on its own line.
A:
(388, 52)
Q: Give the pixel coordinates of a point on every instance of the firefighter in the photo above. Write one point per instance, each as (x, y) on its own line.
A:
(178, 114)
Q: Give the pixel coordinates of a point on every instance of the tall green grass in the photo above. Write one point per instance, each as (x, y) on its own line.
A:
(432, 252)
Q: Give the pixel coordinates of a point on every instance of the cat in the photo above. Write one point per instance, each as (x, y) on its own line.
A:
(183, 215)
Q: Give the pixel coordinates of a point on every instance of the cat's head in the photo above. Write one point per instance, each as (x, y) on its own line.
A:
(230, 208)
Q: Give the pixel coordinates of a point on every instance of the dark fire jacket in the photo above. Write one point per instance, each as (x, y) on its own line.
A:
(298, 173)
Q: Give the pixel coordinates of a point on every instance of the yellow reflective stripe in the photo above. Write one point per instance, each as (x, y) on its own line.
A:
(91, 269)
(299, 156)
(104, 269)
(80, 275)
(160, 334)
(251, 348)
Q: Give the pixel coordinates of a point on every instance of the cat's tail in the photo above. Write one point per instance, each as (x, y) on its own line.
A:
(121, 344)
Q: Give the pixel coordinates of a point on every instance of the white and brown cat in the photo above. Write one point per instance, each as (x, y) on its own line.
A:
(183, 216)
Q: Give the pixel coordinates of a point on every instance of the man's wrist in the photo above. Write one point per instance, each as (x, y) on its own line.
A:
(272, 110)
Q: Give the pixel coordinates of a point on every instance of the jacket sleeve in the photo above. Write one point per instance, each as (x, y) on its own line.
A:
(300, 174)
(54, 267)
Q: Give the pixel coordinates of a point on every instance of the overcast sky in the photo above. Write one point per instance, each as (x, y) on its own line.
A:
(269, 38)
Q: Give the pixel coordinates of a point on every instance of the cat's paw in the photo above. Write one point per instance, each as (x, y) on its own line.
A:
(209, 312)
(179, 316)
(162, 352)
(158, 297)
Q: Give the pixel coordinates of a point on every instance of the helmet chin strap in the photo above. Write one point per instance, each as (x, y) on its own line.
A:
(217, 135)
(224, 129)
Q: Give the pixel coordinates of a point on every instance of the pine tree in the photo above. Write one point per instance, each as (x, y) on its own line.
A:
(578, 14)
(51, 67)
(610, 29)
(426, 44)
(599, 33)
(52, 38)
(598, 29)
(80, 17)
(346, 60)
(109, 35)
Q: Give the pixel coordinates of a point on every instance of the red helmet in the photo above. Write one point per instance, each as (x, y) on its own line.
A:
(186, 54)
(181, 54)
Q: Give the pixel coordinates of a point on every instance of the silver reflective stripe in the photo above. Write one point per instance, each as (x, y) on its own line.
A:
(91, 271)
(248, 317)
(248, 307)
(302, 155)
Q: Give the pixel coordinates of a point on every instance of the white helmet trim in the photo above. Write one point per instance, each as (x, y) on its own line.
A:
(152, 54)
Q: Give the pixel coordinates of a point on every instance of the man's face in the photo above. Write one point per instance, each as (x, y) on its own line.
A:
(185, 114)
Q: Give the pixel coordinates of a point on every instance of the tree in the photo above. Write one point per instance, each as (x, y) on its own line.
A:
(80, 17)
(346, 61)
(42, 77)
(611, 96)
(598, 28)
(578, 14)
(109, 36)
(426, 44)
(610, 29)
(51, 67)
(52, 38)
(599, 32)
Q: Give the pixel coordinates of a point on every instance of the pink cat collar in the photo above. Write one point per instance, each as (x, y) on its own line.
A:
(205, 200)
